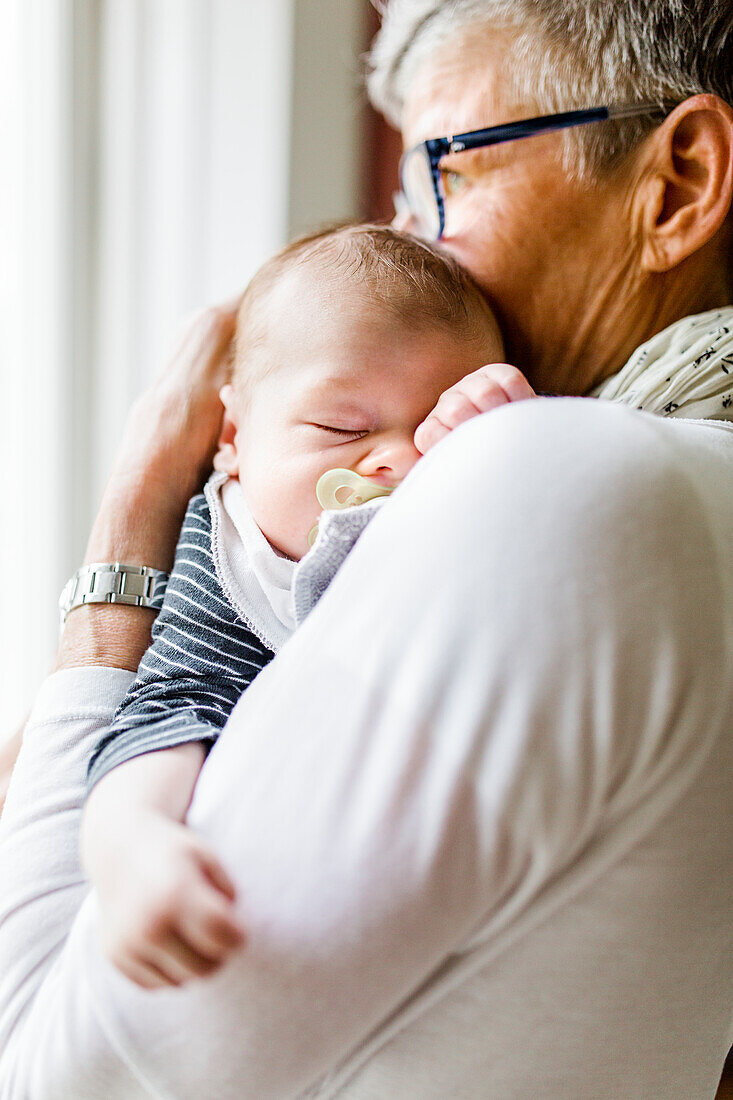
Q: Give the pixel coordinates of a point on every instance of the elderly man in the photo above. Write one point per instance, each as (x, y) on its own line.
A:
(478, 809)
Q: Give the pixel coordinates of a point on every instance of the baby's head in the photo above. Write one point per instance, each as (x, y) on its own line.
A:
(345, 341)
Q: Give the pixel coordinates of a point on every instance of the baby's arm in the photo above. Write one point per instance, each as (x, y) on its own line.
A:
(166, 903)
(485, 389)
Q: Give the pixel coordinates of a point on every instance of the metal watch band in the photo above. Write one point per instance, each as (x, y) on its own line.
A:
(113, 582)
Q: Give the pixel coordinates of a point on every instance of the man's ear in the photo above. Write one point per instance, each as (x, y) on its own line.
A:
(689, 181)
(226, 457)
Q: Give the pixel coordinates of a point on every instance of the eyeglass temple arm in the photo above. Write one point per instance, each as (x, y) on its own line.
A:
(564, 120)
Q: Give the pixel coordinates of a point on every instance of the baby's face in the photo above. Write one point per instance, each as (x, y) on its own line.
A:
(345, 389)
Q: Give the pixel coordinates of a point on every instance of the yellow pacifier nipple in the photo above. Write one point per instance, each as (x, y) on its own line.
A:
(338, 489)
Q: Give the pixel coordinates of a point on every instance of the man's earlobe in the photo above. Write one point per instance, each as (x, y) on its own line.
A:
(226, 457)
(689, 183)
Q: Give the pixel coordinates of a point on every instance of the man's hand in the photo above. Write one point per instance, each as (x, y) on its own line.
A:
(487, 388)
(166, 903)
(165, 454)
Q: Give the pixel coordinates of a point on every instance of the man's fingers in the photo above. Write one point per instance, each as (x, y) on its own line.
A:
(204, 348)
(232, 304)
(211, 339)
(203, 334)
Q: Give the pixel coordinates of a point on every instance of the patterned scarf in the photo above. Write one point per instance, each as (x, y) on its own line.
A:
(685, 371)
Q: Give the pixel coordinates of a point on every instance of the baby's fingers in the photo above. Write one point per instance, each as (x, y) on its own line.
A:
(211, 929)
(176, 959)
(161, 961)
(430, 432)
(495, 384)
(142, 973)
(217, 875)
(454, 407)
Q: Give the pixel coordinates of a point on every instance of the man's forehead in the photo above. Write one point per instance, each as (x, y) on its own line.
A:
(463, 85)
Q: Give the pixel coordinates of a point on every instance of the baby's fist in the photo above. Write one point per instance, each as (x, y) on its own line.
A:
(487, 388)
(167, 915)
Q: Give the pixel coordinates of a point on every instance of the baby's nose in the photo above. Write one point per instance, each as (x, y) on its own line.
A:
(391, 461)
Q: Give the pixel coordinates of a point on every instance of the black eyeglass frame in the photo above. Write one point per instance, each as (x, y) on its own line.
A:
(434, 149)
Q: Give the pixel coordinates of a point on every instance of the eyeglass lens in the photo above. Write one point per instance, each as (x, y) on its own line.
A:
(417, 184)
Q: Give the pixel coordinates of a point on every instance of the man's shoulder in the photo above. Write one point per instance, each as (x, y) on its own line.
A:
(642, 461)
(590, 479)
(602, 446)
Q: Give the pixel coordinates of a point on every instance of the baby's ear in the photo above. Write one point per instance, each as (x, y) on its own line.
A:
(226, 457)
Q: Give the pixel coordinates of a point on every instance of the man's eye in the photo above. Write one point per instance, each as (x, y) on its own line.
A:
(452, 181)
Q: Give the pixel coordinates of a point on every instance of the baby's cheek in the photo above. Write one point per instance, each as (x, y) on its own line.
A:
(286, 517)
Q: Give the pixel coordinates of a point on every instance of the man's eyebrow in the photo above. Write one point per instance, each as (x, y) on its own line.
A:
(469, 160)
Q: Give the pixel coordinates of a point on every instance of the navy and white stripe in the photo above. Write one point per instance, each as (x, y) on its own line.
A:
(201, 659)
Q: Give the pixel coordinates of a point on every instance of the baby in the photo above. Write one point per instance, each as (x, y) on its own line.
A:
(356, 349)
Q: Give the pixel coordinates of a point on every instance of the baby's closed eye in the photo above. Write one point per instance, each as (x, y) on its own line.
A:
(351, 432)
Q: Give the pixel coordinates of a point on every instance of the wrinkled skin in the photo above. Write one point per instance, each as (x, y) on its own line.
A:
(570, 267)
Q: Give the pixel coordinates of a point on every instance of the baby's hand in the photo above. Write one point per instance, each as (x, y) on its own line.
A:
(487, 388)
(167, 912)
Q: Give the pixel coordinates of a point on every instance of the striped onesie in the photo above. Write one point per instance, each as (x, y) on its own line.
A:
(206, 649)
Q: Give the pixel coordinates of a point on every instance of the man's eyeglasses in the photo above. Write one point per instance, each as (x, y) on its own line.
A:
(422, 195)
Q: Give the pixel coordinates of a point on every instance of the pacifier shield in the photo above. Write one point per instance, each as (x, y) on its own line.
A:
(340, 488)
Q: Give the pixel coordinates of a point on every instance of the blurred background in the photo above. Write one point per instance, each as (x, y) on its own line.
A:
(152, 154)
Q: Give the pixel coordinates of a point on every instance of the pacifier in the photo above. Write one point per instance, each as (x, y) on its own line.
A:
(338, 489)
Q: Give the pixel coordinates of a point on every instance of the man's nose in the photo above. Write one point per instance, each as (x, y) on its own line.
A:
(391, 461)
(403, 220)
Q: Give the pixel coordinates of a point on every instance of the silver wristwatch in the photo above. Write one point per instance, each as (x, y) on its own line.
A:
(113, 582)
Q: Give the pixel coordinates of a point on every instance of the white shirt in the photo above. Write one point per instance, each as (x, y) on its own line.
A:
(257, 579)
(478, 808)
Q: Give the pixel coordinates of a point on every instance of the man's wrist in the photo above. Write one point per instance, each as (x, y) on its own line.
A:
(113, 583)
(111, 635)
(136, 524)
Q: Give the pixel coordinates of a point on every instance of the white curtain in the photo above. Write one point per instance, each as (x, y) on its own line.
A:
(154, 153)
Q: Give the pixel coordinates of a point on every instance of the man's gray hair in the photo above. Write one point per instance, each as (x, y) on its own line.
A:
(569, 54)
